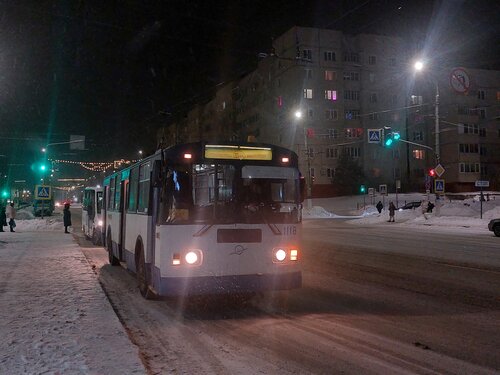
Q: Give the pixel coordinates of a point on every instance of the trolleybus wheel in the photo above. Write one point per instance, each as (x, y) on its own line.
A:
(114, 261)
(140, 267)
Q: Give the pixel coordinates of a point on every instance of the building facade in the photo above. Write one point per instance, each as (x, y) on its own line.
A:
(349, 90)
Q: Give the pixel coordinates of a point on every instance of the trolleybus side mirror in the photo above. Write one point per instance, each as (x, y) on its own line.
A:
(156, 175)
(302, 182)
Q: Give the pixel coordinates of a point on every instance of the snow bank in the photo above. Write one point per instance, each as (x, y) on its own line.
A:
(447, 213)
(27, 222)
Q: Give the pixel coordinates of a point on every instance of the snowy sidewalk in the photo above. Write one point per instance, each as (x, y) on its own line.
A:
(54, 316)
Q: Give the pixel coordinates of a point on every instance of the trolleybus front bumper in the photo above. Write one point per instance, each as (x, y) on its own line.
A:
(175, 286)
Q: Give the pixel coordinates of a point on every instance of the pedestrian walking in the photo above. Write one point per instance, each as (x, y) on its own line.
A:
(379, 206)
(3, 218)
(10, 213)
(392, 210)
(66, 217)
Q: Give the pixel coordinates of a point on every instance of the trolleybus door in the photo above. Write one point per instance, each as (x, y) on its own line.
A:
(123, 211)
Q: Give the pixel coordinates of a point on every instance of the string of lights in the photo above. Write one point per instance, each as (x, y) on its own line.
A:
(96, 166)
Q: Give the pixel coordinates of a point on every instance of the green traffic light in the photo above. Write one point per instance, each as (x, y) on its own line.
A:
(362, 188)
(396, 136)
(388, 142)
(5, 194)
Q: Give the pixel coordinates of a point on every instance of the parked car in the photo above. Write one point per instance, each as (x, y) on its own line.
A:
(410, 205)
(494, 226)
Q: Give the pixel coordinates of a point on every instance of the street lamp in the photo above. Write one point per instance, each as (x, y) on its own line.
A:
(419, 66)
(298, 115)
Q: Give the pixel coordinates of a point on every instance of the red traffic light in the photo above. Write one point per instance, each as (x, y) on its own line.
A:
(432, 172)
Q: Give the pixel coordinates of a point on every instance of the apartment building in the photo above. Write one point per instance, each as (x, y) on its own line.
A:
(344, 86)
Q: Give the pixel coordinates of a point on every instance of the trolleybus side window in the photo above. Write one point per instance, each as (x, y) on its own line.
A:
(111, 196)
(144, 180)
(133, 186)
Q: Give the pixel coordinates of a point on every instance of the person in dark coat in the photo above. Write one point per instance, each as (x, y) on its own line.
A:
(392, 209)
(66, 217)
(3, 218)
(379, 206)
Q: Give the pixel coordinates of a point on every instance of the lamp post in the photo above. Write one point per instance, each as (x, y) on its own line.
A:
(298, 115)
(419, 66)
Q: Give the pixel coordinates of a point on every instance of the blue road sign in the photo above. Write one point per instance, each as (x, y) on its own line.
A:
(374, 135)
(439, 186)
(42, 192)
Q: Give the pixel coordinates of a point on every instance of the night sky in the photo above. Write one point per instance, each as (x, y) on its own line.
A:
(114, 73)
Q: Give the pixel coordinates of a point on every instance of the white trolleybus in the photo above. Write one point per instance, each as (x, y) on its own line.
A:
(202, 218)
(92, 214)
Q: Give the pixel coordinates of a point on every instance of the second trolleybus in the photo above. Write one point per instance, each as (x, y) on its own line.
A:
(203, 218)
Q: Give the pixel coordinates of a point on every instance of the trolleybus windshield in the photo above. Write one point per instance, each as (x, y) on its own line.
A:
(230, 193)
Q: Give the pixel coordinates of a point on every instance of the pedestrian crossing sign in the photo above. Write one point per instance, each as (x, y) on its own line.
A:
(374, 135)
(43, 192)
(438, 186)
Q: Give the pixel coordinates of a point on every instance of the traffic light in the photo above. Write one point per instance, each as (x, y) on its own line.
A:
(390, 137)
(362, 189)
(5, 193)
(432, 172)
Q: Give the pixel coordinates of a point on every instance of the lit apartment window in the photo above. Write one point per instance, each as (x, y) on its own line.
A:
(419, 154)
(330, 75)
(480, 94)
(307, 54)
(331, 95)
(351, 114)
(353, 132)
(308, 93)
(415, 99)
(372, 60)
(329, 56)
(309, 73)
(331, 114)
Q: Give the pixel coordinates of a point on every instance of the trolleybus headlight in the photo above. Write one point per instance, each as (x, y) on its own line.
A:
(294, 254)
(100, 223)
(280, 254)
(193, 257)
